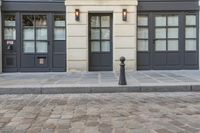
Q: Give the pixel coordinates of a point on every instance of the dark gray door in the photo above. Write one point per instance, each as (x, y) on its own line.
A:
(35, 44)
(167, 41)
(100, 42)
(166, 53)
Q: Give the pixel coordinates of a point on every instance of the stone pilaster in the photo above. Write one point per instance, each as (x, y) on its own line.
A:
(124, 33)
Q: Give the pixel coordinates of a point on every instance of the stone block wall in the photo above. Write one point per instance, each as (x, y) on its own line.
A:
(124, 32)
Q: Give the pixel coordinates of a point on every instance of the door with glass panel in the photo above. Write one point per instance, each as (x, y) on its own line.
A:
(100, 42)
(167, 41)
(35, 43)
(166, 49)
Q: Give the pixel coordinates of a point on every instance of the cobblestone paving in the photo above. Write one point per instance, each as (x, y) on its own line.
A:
(101, 113)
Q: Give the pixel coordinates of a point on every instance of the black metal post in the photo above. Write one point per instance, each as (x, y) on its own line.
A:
(122, 76)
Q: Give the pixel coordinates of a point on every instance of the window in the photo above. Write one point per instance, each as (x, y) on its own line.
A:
(9, 27)
(190, 32)
(167, 33)
(59, 27)
(35, 34)
(143, 33)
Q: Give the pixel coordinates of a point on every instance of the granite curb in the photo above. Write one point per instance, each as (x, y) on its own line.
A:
(97, 89)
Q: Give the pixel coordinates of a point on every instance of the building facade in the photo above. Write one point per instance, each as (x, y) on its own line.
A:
(91, 35)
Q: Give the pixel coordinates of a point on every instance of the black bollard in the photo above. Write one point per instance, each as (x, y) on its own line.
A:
(122, 76)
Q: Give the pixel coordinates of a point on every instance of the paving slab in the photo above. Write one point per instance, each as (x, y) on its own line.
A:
(99, 82)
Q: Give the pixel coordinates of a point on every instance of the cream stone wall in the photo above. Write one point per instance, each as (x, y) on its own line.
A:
(0, 41)
(124, 33)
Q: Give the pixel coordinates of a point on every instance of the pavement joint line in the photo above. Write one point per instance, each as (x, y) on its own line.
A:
(169, 76)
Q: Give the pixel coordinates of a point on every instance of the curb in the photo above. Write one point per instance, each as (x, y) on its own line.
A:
(98, 89)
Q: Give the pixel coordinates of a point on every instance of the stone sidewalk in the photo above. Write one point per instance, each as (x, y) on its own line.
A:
(99, 82)
(101, 113)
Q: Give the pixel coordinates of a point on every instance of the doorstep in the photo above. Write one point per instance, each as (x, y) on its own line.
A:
(99, 82)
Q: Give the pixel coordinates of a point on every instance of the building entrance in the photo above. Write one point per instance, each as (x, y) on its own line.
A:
(34, 42)
(100, 42)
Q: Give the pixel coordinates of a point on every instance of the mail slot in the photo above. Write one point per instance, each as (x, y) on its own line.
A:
(42, 60)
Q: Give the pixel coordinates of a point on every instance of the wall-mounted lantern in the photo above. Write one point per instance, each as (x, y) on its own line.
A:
(77, 14)
(124, 14)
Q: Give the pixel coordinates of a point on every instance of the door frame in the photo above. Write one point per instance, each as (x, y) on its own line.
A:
(89, 36)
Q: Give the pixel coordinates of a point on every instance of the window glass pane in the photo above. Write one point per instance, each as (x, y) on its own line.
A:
(172, 32)
(105, 21)
(41, 47)
(9, 34)
(95, 46)
(161, 21)
(9, 20)
(191, 32)
(59, 33)
(161, 45)
(95, 34)
(95, 21)
(190, 19)
(41, 20)
(173, 21)
(105, 34)
(143, 45)
(190, 45)
(29, 34)
(105, 46)
(160, 32)
(41, 33)
(29, 47)
(142, 21)
(59, 21)
(143, 33)
(173, 45)
(28, 20)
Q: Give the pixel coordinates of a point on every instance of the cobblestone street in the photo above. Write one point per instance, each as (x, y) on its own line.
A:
(101, 113)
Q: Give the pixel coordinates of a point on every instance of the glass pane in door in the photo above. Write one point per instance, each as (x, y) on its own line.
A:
(95, 34)
(172, 32)
(173, 20)
(29, 33)
(28, 20)
(161, 45)
(143, 33)
(95, 46)
(41, 20)
(9, 33)
(59, 33)
(95, 21)
(105, 34)
(191, 20)
(105, 46)
(41, 33)
(161, 21)
(190, 32)
(41, 47)
(190, 45)
(105, 21)
(9, 20)
(29, 47)
(172, 45)
(161, 33)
